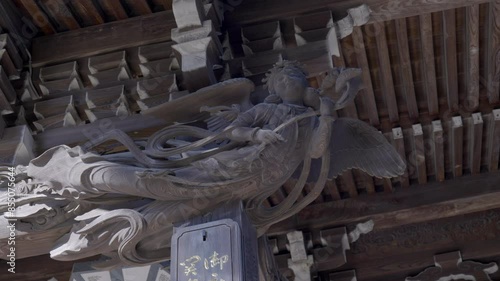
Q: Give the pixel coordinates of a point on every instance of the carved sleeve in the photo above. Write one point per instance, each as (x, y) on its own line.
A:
(321, 137)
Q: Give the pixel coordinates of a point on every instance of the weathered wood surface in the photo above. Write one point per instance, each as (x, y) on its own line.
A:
(94, 40)
(383, 10)
(39, 268)
(414, 205)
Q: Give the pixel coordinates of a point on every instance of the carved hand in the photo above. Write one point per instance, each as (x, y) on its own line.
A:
(327, 106)
(267, 137)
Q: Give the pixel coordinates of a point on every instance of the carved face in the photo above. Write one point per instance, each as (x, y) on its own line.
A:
(290, 85)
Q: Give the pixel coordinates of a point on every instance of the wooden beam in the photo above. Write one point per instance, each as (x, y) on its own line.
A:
(113, 9)
(456, 145)
(472, 57)
(407, 206)
(419, 154)
(87, 11)
(493, 142)
(250, 12)
(61, 14)
(493, 52)
(331, 188)
(429, 69)
(450, 58)
(348, 179)
(41, 268)
(104, 38)
(366, 95)
(406, 71)
(386, 73)
(139, 7)
(399, 144)
(475, 142)
(167, 4)
(39, 18)
(438, 150)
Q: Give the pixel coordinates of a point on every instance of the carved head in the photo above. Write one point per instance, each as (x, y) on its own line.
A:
(288, 81)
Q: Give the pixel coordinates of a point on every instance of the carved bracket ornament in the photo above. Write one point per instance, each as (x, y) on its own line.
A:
(450, 266)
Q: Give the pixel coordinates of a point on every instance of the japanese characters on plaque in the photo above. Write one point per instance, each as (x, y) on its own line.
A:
(212, 264)
(207, 252)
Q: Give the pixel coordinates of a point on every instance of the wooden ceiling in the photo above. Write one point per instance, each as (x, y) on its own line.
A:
(54, 16)
(432, 76)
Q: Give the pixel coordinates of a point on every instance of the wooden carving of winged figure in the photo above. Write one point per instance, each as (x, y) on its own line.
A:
(75, 203)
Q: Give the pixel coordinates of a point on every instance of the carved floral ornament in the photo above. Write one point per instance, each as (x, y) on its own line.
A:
(74, 203)
(450, 266)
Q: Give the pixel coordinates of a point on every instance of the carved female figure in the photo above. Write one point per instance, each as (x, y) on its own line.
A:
(126, 211)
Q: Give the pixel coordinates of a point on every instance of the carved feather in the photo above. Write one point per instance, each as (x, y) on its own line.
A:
(356, 145)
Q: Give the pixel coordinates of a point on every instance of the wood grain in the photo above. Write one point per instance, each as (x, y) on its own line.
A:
(39, 18)
(438, 150)
(493, 53)
(429, 69)
(406, 71)
(250, 12)
(367, 96)
(104, 38)
(472, 57)
(475, 142)
(450, 58)
(113, 9)
(386, 73)
(87, 11)
(139, 7)
(414, 205)
(456, 145)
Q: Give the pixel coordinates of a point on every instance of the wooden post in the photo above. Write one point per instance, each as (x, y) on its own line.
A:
(220, 246)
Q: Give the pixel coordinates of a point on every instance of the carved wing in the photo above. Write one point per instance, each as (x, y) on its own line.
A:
(355, 144)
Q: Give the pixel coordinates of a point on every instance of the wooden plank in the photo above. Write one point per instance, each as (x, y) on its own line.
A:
(429, 69)
(6, 41)
(94, 40)
(3, 125)
(456, 146)
(450, 58)
(41, 268)
(493, 149)
(87, 11)
(8, 65)
(472, 57)
(367, 95)
(41, 20)
(364, 181)
(250, 12)
(58, 10)
(6, 88)
(399, 144)
(475, 142)
(343, 276)
(331, 188)
(113, 9)
(406, 71)
(139, 7)
(493, 52)
(166, 4)
(386, 73)
(347, 179)
(438, 150)
(408, 206)
(419, 154)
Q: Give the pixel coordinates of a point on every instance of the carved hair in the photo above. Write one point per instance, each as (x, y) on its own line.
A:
(274, 75)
